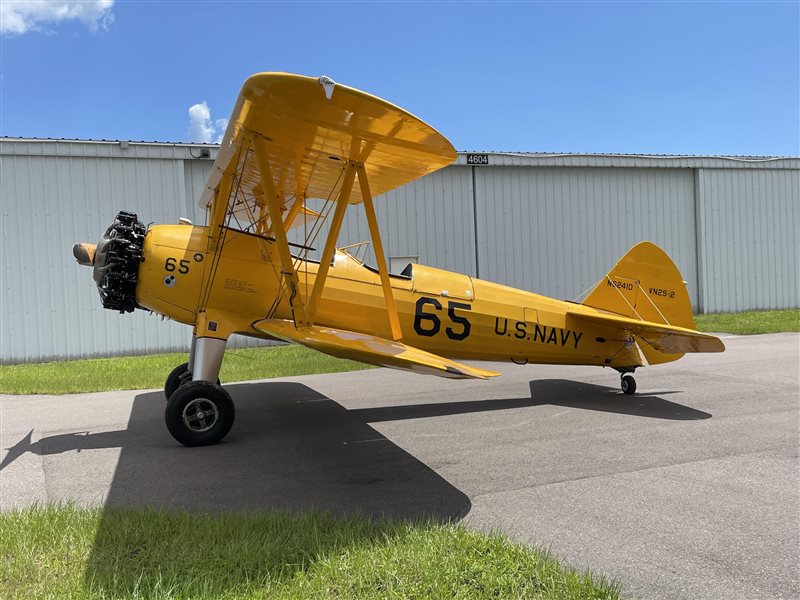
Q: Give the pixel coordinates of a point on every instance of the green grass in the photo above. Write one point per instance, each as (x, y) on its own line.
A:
(145, 372)
(746, 323)
(64, 552)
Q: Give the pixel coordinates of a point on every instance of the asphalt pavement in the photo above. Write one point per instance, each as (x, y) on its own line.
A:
(690, 489)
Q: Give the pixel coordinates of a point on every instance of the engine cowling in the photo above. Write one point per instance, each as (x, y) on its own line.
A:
(116, 262)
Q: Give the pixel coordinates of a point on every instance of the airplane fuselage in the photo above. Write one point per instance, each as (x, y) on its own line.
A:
(442, 312)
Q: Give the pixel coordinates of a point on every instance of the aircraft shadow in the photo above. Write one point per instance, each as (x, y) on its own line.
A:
(291, 449)
(295, 425)
(587, 396)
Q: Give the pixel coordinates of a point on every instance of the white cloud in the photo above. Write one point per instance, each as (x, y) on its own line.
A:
(21, 16)
(202, 128)
(221, 125)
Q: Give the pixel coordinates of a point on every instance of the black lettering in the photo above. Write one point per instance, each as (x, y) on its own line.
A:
(564, 336)
(553, 337)
(520, 330)
(184, 267)
(497, 326)
(421, 316)
(169, 264)
(540, 333)
(577, 337)
(458, 320)
(661, 292)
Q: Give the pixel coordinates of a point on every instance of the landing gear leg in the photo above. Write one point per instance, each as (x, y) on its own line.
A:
(208, 354)
(181, 374)
(200, 413)
(192, 350)
(628, 383)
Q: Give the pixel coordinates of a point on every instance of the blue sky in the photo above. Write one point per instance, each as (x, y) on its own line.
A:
(666, 77)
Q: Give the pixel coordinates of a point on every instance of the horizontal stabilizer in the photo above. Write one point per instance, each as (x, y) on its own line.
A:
(369, 349)
(668, 339)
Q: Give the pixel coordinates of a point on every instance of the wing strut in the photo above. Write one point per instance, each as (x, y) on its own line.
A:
(294, 211)
(219, 206)
(304, 315)
(375, 234)
(330, 243)
(287, 266)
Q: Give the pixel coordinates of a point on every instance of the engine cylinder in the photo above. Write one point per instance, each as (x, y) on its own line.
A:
(116, 262)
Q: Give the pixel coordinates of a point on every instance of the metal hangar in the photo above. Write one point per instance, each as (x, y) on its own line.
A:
(549, 223)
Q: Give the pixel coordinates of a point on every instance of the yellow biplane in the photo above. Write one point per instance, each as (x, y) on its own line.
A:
(293, 139)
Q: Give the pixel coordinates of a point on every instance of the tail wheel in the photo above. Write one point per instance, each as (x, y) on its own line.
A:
(628, 384)
(199, 413)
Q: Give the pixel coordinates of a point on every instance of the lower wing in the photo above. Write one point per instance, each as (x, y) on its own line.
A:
(369, 349)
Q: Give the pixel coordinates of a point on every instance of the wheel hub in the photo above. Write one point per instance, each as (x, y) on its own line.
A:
(200, 415)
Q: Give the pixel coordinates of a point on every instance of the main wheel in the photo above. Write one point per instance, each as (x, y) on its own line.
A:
(178, 376)
(628, 384)
(199, 413)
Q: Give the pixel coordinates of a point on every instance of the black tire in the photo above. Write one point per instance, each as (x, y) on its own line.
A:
(174, 380)
(628, 384)
(215, 409)
(179, 375)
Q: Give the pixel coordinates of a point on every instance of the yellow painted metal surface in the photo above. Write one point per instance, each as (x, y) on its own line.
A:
(272, 204)
(498, 323)
(645, 284)
(380, 255)
(292, 138)
(664, 338)
(310, 137)
(370, 349)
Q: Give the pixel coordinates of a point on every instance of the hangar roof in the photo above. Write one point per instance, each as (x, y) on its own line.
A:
(189, 150)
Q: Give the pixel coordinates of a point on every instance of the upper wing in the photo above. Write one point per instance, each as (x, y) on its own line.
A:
(312, 127)
(669, 339)
(369, 349)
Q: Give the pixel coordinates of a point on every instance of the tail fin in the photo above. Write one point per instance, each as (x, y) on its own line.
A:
(645, 284)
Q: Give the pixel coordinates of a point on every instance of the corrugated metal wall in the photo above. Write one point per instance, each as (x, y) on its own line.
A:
(55, 194)
(556, 231)
(550, 224)
(748, 223)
